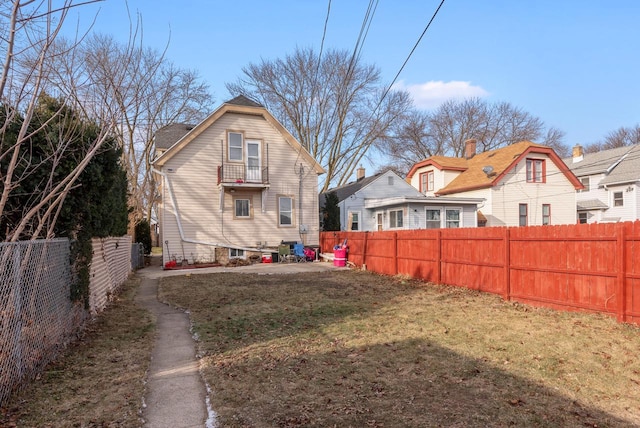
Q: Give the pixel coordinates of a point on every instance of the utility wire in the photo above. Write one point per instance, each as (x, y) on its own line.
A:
(408, 57)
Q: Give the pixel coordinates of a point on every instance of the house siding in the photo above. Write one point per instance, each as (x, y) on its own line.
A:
(197, 194)
(503, 199)
(379, 188)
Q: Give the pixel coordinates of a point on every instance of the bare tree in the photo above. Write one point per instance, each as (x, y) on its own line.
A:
(334, 105)
(143, 92)
(621, 137)
(28, 31)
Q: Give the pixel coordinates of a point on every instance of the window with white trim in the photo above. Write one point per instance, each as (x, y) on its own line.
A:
(434, 218)
(396, 219)
(235, 146)
(285, 211)
(585, 182)
(618, 199)
(242, 208)
(583, 218)
(452, 217)
(354, 220)
(234, 253)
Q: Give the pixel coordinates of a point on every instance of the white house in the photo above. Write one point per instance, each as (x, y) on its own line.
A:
(387, 202)
(611, 181)
(522, 184)
(236, 183)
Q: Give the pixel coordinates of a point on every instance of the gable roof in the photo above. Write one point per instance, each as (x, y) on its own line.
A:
(501, 160)
(620, 165)
(240, 105)
(346, 190)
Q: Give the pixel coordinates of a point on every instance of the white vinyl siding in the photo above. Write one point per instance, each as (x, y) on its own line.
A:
(198, 197)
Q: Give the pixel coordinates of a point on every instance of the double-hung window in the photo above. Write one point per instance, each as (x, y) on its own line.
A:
(536, 171)
(285, 211)
(235, 146)
(585, 183)
(546, 214)
(618, 199)
(452, 217)
(523, 220)
(395, 219)
(433, 218)
(354, 221)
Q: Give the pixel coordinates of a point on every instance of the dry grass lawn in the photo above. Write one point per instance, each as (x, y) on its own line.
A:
(99, 382)
(357, 349)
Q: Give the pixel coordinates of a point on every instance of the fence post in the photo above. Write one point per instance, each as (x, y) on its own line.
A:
(395, 253)
(364, 249)
(621, 274)
(507, 264)
(438, 275)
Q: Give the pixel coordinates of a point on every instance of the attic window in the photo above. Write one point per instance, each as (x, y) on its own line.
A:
(536, 171)
(390, 181)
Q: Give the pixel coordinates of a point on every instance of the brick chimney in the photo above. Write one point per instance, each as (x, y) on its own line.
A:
(578, 153)
(360, 173)
(470, 148)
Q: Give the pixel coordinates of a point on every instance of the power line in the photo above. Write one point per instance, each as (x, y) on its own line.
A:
(386, 92)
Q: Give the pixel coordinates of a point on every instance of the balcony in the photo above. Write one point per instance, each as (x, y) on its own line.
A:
(241, 175)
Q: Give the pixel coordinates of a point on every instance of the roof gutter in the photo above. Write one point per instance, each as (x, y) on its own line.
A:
(183, 238)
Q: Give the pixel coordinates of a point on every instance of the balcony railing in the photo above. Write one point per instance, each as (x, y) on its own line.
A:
(241, 174)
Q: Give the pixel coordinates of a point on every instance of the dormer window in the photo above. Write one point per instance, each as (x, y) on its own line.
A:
(426, 182)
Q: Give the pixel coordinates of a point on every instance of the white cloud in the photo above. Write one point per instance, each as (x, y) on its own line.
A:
(431, 95)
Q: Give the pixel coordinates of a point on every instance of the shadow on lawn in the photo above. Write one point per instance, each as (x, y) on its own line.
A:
(277, 355)
(412, 383)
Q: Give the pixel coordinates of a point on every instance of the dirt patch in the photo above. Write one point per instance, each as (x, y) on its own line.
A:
(358, 349)
(99, 382)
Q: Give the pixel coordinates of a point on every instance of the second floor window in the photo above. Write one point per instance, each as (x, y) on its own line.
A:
(536, 171)
(235, 146)
(426, 181)
(618, 199)
(585, 183)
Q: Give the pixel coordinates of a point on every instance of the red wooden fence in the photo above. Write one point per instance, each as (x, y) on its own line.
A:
(591, 267)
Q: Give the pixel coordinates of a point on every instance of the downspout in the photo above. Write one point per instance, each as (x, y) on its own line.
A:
(181, 230)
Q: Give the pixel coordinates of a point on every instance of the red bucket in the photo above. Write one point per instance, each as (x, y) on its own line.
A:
(340, 257)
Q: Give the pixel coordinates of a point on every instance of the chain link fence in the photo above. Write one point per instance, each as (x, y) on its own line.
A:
(37, 317)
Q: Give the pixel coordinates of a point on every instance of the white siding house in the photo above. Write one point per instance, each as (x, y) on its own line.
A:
(387, 202)
(237, 182)
(611, 180)
(523, 184)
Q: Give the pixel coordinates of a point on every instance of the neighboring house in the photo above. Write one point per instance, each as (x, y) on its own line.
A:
(523, 184)
(234, 184)
(387, 202)
(611, 181)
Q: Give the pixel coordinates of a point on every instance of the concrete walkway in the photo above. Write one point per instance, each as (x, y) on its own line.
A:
(176, 395)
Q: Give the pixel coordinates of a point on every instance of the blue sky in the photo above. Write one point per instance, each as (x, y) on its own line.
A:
(573, 64)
